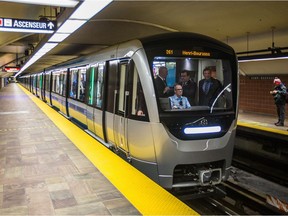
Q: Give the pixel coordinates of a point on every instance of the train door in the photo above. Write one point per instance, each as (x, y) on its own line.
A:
(121, 108)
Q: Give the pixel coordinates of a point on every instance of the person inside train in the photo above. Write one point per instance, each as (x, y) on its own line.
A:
(208, 88)
(188, 85)
(279, 94)
(177, 100)
(161, 86)
(140, 103)
(221, 100)
(214, 75)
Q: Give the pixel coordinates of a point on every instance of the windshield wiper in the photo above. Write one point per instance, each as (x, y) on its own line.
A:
(226, 88)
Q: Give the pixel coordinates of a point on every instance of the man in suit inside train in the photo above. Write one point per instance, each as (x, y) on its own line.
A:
(208, 88)
(189, 86)
(161, 86)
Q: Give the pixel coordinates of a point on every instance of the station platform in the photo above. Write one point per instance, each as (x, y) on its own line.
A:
(49, 166)
(260, 123)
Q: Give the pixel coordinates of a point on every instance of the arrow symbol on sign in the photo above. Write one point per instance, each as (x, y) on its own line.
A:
(50, 25)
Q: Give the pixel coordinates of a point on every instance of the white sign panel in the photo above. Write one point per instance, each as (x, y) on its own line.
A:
(22, 25)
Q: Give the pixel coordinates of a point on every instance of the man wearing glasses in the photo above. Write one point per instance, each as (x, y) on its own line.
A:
(178, 101)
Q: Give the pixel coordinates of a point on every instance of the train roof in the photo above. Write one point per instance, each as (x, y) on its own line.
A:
(184, 37)
(118, 50)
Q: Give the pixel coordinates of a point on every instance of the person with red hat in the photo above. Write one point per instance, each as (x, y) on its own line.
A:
(279, 94)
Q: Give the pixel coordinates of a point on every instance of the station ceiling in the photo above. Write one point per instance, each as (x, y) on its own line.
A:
(244, 25)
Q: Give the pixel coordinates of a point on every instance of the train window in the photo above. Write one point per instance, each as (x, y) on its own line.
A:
(40, 81)
(73, 83)
(95, 85)
(47, 82)
(56, 81)
(64, 83)
(63, 80)
(99, 85)
(112, 85)
(121, 101)
(206, 83)
(91, 80)
(138, 100)
(81, 84)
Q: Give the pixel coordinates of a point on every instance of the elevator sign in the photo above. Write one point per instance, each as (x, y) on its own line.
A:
(23, 25)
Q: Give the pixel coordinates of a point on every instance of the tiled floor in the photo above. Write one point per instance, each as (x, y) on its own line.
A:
(42, 172)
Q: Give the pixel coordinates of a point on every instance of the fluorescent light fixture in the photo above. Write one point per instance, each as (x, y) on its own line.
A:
(262, 59)
(59, 3)
(26, 30)
(47, 47)
(58, 37)
(71, 26)
(89, 8)
(202, 130)
(79, 17)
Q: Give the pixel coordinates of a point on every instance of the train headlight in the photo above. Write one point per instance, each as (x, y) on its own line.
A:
(202, 130)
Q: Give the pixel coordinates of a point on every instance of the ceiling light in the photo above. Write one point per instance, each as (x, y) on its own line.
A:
(71, 26)
(89, 8)
(59, 3)
(265, 57)
(81, 15)
(47, 47)
(57, 37)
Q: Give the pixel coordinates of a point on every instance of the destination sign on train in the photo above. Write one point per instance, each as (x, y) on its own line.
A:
(187, 53)
(23, 25)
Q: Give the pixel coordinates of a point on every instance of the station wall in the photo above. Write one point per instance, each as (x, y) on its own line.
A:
(254, 94)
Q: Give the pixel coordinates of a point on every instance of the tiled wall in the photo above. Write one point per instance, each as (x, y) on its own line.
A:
(254, 94)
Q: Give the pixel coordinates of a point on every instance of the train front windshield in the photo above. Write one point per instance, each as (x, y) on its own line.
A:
(195, 87)
(192, 84)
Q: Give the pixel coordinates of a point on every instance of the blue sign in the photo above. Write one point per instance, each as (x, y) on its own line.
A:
(23, 25)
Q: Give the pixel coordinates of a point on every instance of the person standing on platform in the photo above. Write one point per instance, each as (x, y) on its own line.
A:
(279, 94)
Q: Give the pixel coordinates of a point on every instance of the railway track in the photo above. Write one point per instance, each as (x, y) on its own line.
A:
(237, 201)
(266, 157)
(262, 154)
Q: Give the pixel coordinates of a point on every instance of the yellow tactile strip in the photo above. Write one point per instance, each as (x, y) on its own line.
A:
(145, 195)
(256, 125)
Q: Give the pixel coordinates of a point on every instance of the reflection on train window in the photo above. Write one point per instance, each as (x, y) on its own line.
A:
(63, 79)
(47, 81)
(73, 83)
(56, 81)
(91, 78)
(219, 93)
(139, 107)
(95, 85)
(121, 100)
(40, 82)
(99, 85)
(81, 84)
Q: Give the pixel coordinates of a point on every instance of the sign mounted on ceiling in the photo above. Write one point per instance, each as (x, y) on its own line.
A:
(11, 69)
(23, 25)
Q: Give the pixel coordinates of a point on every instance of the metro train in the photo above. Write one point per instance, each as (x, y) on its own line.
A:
(176, 148)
